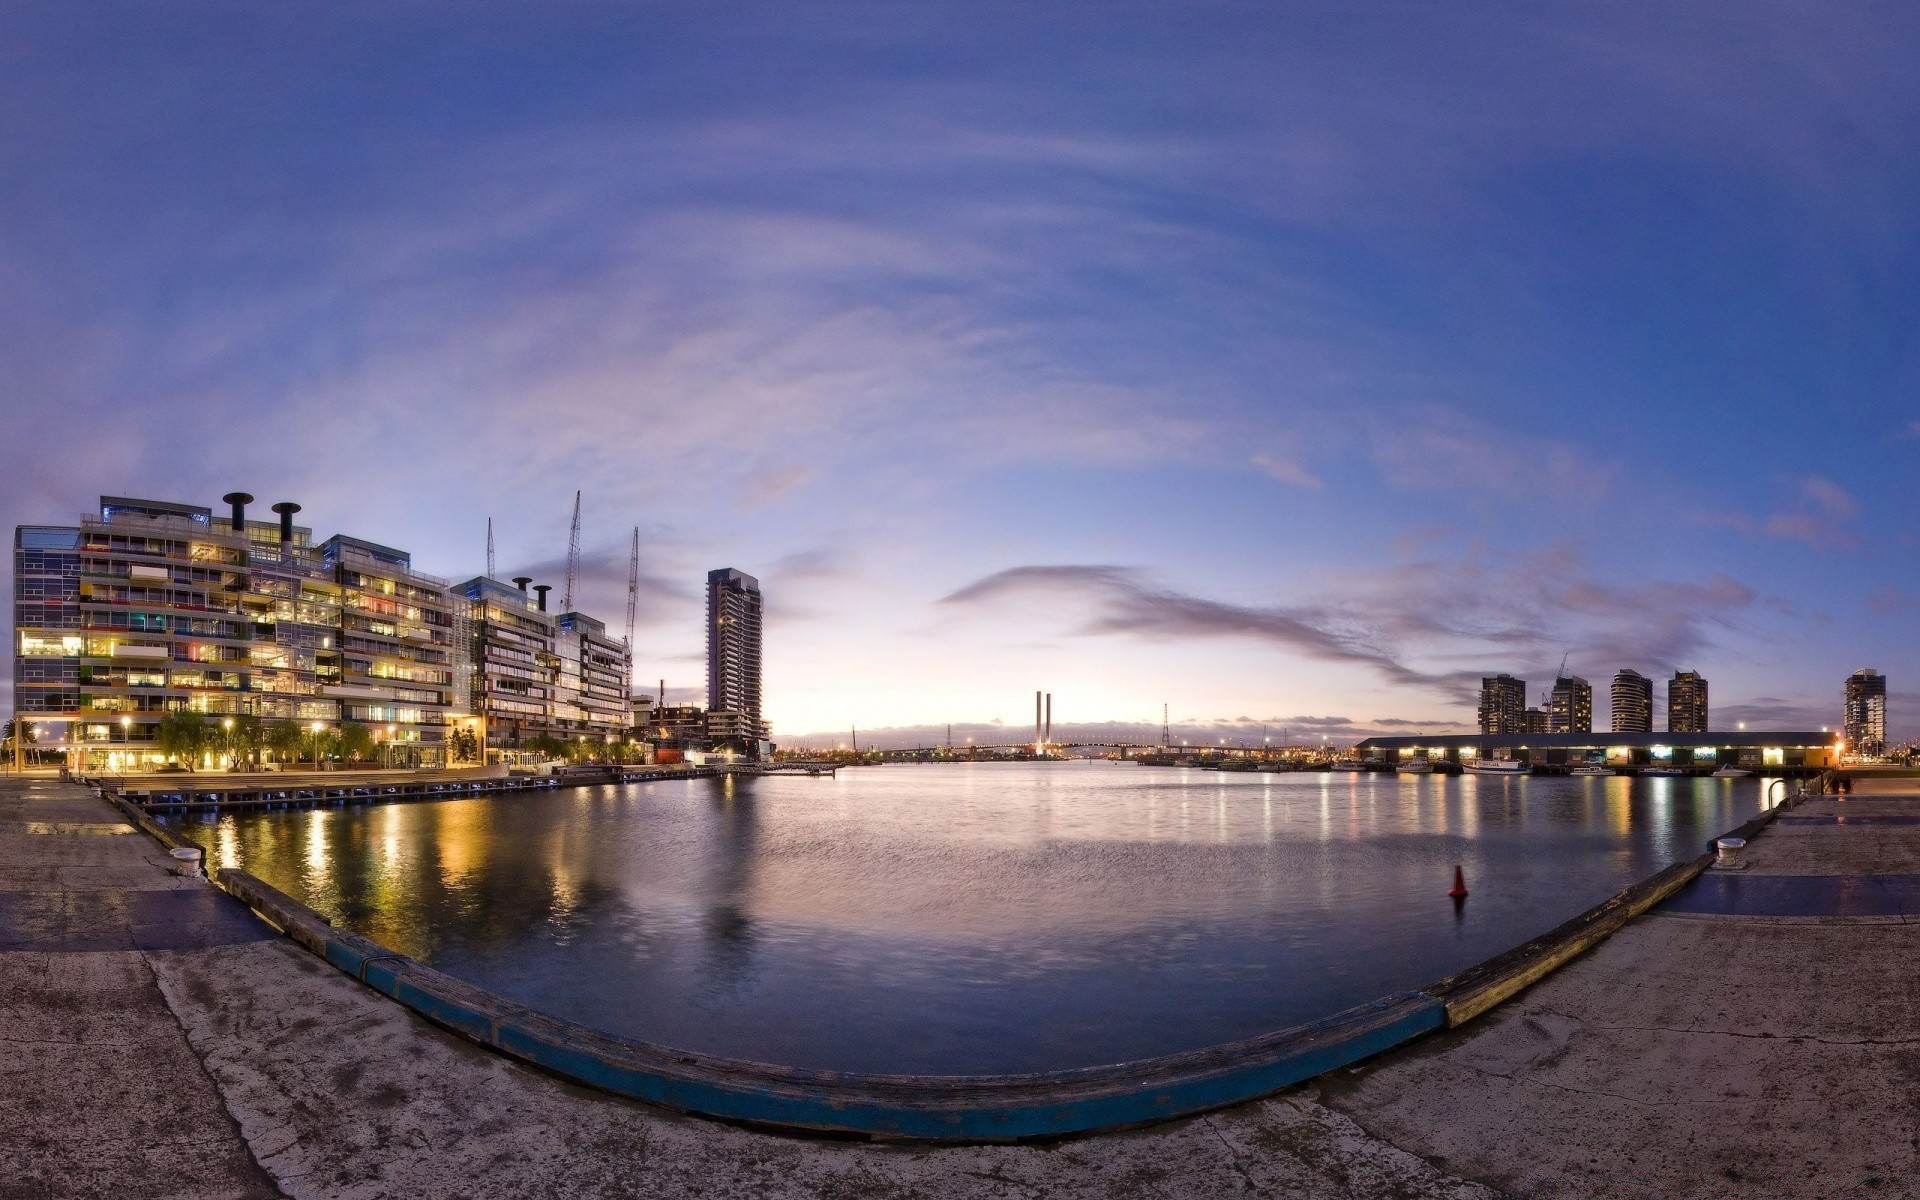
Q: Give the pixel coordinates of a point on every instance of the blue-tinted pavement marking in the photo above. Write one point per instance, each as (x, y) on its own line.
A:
(75, 922)
(1850, 819)
(1732, 894)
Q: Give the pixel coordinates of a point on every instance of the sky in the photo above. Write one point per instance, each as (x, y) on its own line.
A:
(1292, 366)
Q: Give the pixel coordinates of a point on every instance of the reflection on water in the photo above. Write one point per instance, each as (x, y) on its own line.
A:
(950, 919)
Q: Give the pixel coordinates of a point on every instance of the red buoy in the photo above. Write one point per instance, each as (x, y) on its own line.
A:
(1459, 891)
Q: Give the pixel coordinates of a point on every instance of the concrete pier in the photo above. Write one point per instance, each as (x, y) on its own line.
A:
(1754, 1036)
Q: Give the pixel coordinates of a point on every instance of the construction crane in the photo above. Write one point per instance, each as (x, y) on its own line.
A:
(573, 557)
(489, 547)
(633, 588)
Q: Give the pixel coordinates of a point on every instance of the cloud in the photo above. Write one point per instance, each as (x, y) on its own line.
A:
(1819, 520)
(1435, 626)
(1286, 471)
(1437, 448)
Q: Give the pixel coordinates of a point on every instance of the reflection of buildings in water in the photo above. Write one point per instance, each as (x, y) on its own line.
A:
(732, 844)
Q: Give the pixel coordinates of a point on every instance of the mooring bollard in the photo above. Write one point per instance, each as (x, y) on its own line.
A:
(186, 860)
(1729, 849)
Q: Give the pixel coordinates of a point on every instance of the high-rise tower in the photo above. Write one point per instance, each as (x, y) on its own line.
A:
(1866, 712)
(1686, 703)
(733, 658)
(1570, 706)
(1503, 704)
(1632, 702)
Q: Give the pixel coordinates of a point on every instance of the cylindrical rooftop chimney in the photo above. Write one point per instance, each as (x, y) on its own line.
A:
(286, 509)
(521, 581)
(541, 589)
(239, 500)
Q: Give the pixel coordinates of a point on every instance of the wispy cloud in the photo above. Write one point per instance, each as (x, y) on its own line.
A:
(1437, 626)
(1287, 471)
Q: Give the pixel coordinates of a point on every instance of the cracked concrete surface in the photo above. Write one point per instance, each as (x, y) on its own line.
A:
(1688, 1056)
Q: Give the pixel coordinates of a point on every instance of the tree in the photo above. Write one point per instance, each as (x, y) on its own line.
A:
(285, 738)
(355, 741)
(546, 745)
(246, 738)
(464, 745)
(182, 734)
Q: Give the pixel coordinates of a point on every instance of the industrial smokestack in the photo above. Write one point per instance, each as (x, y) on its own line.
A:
(239, 500)
(541, 590)
(1048, 736)
(522, 581)
(286, 509)
(1037, 732)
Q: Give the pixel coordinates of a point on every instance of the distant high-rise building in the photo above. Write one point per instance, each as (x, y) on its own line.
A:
(1686, 703)
(1503, 704)
(1570, 706)
(1632, 702)
(1866, 712)
(733, 657)
(1534, 720)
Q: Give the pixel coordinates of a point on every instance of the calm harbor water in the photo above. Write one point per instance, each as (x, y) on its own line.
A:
(974, 918)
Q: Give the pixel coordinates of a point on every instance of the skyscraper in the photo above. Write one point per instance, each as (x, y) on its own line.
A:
(1686, 703)
(733, 658)
(1866, 712)
(1570, 706)
(1632, 702)
(1503, 704)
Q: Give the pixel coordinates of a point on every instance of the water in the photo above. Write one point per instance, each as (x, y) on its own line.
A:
(975, 918)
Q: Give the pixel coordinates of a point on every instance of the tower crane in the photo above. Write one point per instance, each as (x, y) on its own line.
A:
(573, 557)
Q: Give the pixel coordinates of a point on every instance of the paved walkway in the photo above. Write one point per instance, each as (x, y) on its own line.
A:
(161, 1042)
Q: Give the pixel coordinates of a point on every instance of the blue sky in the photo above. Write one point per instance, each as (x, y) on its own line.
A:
(1293, 365)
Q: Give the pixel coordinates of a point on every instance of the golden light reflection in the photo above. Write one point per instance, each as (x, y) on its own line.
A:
(319, 858)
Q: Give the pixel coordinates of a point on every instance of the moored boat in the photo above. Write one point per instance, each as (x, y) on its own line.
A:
(1499, 766)
(1414, 766)
(1590, 770)
(1730, 773)
(1661, 771)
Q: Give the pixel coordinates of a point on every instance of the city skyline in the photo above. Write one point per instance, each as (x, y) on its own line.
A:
(1241, 395)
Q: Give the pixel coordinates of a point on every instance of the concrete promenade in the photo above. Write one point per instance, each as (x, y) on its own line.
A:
(1757, 1036)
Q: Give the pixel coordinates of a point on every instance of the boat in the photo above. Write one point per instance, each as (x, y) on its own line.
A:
(1272, 768)
(1236, 764)
(1590, 770)
(1499, 766)
(1415, 766)
(1349, 764)
(1661, 771)
(1730, 773)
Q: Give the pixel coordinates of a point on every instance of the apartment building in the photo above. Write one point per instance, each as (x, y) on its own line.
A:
(154, 606)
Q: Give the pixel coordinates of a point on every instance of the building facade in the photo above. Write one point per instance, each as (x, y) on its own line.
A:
(591, 699)
(1570, 706)
(1687, 703)
(1503, 704)
(508, 666)
(1632, 702)
(733, 659)
(1866, 712)
(154, 607)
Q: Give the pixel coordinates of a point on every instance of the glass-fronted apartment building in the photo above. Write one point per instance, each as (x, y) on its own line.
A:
(592, 699)
(152, 606)
(508, 666)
